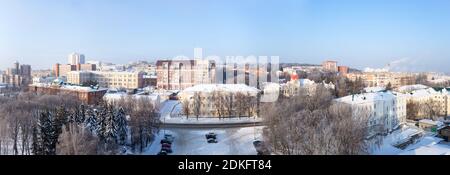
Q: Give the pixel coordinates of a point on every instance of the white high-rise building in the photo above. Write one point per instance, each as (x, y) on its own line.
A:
(76, 58)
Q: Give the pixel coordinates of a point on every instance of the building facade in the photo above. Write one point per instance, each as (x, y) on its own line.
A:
(384, 111)
(76, 58)
(61, 70)
(17, 76)
(343, 70)
(382, 79)
(181, 74)
(428, 99)
(127, 80)
(330, 66)
(87, 95)
(293, 87)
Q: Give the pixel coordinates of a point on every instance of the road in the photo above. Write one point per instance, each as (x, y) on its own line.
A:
(228, 125)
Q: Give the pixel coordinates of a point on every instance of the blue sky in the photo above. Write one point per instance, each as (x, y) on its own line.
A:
(358, 33)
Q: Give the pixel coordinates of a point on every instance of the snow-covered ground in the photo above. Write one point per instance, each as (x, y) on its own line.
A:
(426, 144)
(231, 141)
(171, 109)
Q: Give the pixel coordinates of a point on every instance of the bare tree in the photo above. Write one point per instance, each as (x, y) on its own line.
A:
(431, 109)
(412, 110)
(311, 124)
(219, 103)
(197, 104)
(240, 104)
(186, 108)
(250, 104)
(76, 140)
(229, 102)
(144, 123)
(215, 97)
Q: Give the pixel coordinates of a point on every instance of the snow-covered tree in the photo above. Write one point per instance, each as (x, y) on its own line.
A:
(37, 148)
(91, 120)
(49, 133)
(121, 126)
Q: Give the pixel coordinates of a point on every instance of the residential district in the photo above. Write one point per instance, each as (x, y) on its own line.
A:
(209, 108)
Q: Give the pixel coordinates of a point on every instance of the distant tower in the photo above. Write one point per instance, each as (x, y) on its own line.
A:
(16, 68)
(76, 58)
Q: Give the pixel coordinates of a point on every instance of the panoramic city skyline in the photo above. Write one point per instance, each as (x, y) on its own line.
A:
(354, 33)
(225, 77)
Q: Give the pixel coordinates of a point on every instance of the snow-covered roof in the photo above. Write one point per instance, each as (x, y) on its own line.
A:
(409, 88)
(374, 89)
(368, 69)
(306, 82)
(424, 92)
(69, 87)
(367, 97)
(428, 146)
(234, 88)
(119, 95)
(431, 122)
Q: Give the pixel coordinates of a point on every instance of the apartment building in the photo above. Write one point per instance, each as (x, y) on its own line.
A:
(330, 66)
(428, 99)
(384, 111)
(127, 80)
(87, 95)
(181, 74)
(382, 79)
(17, 76)
(61, 70)
(292, 88)
(343, 70)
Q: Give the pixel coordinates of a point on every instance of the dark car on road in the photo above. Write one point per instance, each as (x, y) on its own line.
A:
(212, 140)
(211, 135)
(162, 152)
(166, 141)
(167, 149)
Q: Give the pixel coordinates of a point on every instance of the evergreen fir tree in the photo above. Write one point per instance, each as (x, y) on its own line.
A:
(121, 126)
(81, 114)
(37, 142)
(101, 122)
(91, 120)
(61, 118)
(110, 130)
(49, 133)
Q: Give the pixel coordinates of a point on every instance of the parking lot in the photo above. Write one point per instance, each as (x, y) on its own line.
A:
(228, 141)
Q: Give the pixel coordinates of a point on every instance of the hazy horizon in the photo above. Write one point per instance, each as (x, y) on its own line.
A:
(410, 34)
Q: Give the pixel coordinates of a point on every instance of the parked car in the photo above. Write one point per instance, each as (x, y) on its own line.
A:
(169, 137)
(166, 145)
(212, 140)
(162, 152)
(260, 147)
(168, 150)
(211, 135)
(166, 141)
(257, 143)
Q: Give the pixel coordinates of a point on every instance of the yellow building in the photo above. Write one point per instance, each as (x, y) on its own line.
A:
(127, 80)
